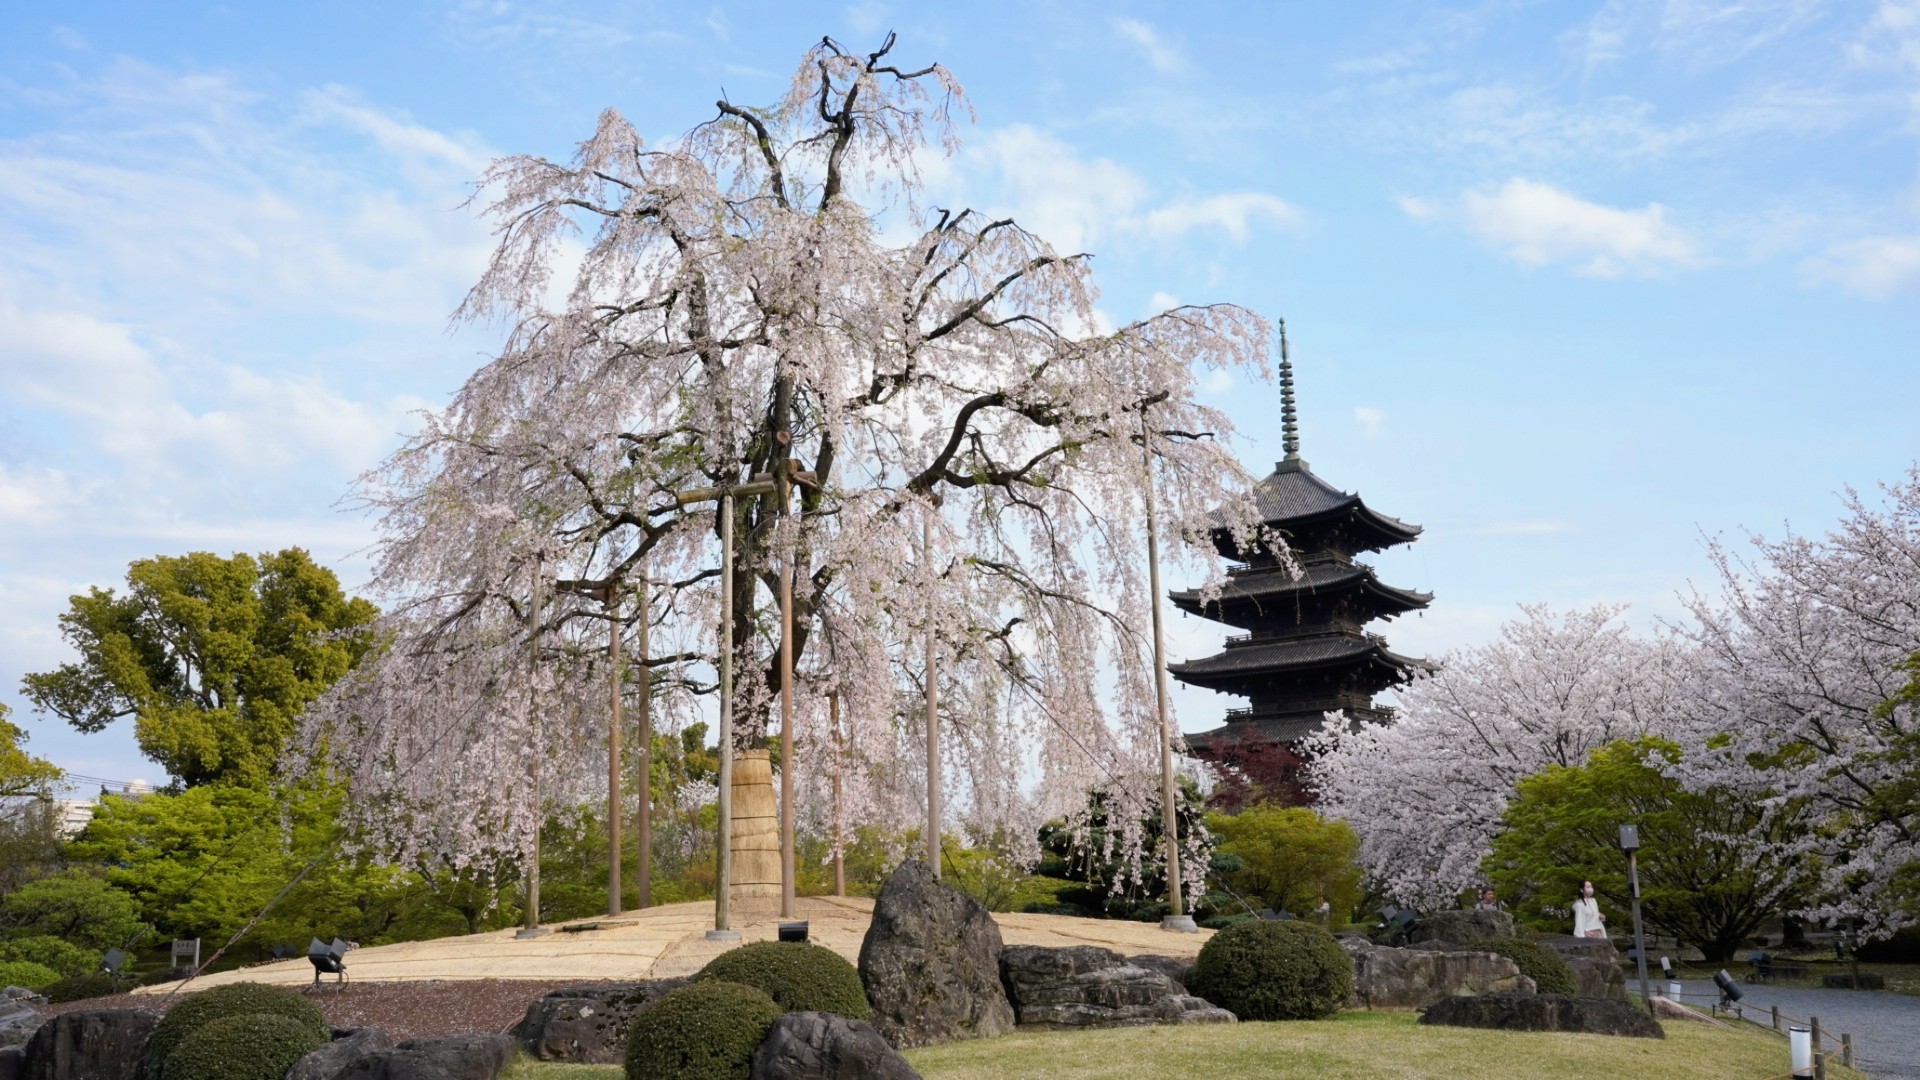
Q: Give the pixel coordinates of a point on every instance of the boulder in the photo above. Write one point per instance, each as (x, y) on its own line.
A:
(1544, 1012)
(1669, 1009)
(1461, 927)
(1598, 978)
(13, 1062)
(1569, 947)
(824, 1046)
(1085, 986)
(448, 1057)
(1413, 978)
(1177, 968)
(931, 963)
(587, 1023)
(20, 995)
(18, 1022)
(99, 1044)
(337, 1058)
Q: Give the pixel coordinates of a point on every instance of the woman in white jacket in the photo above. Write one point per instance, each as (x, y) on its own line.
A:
(1587, 920)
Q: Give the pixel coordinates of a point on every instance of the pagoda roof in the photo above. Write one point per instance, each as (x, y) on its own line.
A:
(1274, 583)
(1297, 501)
(1291, 654)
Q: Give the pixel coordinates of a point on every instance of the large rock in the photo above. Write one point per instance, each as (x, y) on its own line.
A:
(1461, 927)
(339, 1057)
(20, 995)
(448, 1057)
(824, 1046)
(1544, 1012)
(1414, 978)
(587, 1023)
(931, 963)
(18, 1022)
(1569, 947)
(1669, 1009)
(1085, 986)
(1179, 969)
(13, 1062)
(1596, 965)
(91, 1044)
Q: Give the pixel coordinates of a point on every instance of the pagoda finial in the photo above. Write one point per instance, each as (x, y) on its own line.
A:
(1289, 423)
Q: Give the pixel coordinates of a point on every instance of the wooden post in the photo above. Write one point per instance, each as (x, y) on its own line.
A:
(645, 674)
(933, 703)
(613, 752)
(839, 835)
(531, 919)
(1169, 808)
(1814, 1023)
(723, 858)
(1776, 1018)
(1846, 1049)
(1819, 1066)
(787, 770)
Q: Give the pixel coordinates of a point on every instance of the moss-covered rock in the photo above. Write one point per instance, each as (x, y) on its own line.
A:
(705, 1031)
(798, 976)
(1265, 970)
(233, 999)
(249, 1046)
(1550, 974)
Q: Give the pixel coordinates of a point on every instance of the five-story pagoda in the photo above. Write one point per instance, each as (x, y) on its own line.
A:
(1305, 651)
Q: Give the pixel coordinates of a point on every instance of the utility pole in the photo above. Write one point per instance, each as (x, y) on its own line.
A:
(839, 837)
(933, 704)
(1176, 918)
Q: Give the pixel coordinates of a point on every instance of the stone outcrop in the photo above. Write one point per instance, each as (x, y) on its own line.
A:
(1461, 927)
(1669, 1009)
(18, 1022)
(1544, 1012)
(824, 1046)
(1173, 967)
(13, 1062)
(931, 963)
(1085, 986)
(101, 1044)
(1414, 978)
(337, 1058)
(1595, 963)
(588, 1023)
(448, 1057)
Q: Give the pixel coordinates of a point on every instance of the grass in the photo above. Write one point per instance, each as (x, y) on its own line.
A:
(1352, 1046)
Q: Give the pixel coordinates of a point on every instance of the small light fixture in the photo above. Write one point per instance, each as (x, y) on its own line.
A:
(793, 931)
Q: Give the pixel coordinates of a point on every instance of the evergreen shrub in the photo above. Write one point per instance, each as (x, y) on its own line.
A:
(706, 1030)
(27, 973)
(1548, 969)
(78, 987)
(798, 976)
(247, 1046)
(1262, 970)
(233, 999)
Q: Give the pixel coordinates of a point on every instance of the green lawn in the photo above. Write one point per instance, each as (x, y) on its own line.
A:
(1352, 1046)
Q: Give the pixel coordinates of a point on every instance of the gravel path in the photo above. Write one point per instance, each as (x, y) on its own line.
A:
(1885, 1027)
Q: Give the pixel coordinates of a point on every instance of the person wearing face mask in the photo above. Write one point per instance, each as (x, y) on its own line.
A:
(1587, 920)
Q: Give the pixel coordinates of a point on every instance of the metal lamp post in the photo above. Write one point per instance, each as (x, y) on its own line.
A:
(1630, 843)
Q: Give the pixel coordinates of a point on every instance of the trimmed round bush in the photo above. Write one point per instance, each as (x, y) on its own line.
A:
(27, 973)
(250, 1046)
(233, 999)
(706, 1030)
(1261, 970)
(78, 987)
(1547, 969)
(798, 976)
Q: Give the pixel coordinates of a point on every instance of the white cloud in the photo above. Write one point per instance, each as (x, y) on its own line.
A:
(1536, 224)
(1163, 56)
(1075, 201)
(1692, 34)
(33, 497)
(1370, 419)
(1876, 266)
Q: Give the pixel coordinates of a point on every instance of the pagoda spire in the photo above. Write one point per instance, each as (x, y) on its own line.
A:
(1289, 422)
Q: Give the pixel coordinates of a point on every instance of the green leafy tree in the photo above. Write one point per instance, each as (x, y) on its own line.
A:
(21, 774)
(77, 907)
(1291, 857)
(213, 658)
(1700, 880)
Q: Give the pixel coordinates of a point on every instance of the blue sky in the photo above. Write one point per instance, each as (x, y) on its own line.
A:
(1569, 284)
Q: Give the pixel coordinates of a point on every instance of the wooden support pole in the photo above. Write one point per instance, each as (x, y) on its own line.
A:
(613, 752)
(645, 674)
(530, 921)
(788, 772)
(933, 704)
(1814, 1022)
(1169, 806)
(723, 858)
(839, 833)
(1776, 1018)
(1846, 1049)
